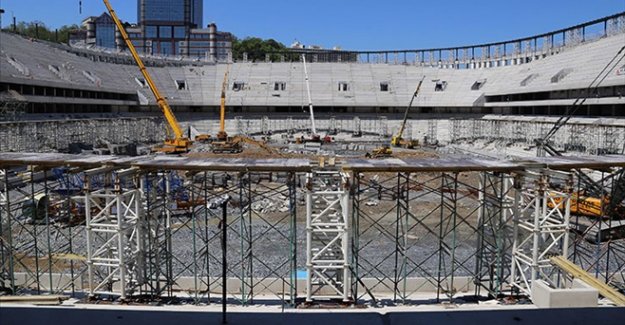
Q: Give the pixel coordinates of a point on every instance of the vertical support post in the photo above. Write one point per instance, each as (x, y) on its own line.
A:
(120, 238)
(88, 229)
(224, 260)
(309, 239)
(293, 237)
(7, 240)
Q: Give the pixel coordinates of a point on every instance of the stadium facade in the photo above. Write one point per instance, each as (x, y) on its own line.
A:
(537, 75)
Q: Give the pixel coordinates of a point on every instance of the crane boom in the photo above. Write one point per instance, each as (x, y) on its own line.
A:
(180, 141)
(222, 135)
(310, 104)
(397, 139)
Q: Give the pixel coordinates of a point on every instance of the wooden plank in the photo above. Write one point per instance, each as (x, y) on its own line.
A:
(577, 272)
(33, 300)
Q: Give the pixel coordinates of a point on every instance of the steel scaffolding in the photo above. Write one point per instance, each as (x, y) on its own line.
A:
(596, 138)
(58, 135)
(368, 231)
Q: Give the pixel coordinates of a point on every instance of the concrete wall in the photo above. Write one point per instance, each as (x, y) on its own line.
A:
(77, 315)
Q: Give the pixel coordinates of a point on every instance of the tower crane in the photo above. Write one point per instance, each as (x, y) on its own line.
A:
(179, 143)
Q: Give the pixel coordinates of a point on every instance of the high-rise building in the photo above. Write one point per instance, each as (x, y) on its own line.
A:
(175, 27)
(197, 13)
(166, 28)
(170, 12)
(166, 23)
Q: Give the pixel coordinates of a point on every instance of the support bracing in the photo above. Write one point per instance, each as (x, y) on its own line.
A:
(115, 237)
(327, 236)
(494, 240)
(541, 227)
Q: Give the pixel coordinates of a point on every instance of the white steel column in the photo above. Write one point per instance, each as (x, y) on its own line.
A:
(541, 227)
(327, 236)
(114, 239)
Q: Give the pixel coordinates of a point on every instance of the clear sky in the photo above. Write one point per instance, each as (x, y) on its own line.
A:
(355, 24)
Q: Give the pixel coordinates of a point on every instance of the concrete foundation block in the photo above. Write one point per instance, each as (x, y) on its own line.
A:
(579, 295)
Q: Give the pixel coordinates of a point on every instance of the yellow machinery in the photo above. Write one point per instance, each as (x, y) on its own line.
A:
(179, 143)
(581, 205)
(397, 140)
(235, 145)
(222, 135)
(381, 152)
(203, 138)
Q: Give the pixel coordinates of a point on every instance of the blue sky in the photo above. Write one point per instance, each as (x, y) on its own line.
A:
(356, 24)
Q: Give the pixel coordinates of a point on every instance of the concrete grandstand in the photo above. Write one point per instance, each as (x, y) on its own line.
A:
(530, 79)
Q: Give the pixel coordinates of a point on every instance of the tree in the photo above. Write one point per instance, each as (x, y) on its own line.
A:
(39, 30)
(256, 48)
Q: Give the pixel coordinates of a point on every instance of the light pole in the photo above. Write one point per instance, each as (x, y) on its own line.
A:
(223, 203)
(1, 12)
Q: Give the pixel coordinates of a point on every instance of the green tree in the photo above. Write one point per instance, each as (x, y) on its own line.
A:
(39, 30)
(256, 48)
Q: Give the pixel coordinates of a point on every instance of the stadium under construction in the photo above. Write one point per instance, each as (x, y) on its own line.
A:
(311, 191)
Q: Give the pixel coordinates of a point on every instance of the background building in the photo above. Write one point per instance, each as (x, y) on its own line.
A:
(164, 28)
(170, 12)
(100, 31)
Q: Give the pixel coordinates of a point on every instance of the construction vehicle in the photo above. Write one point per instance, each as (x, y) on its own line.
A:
(314, 137)
(224, 144)
(203, 138)
(234, 145)
(173, 145)
(581, 205)
(381, 152)
(221, 135)
(199, 137)
(398, 140)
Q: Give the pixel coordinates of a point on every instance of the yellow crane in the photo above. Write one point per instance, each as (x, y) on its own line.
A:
(398, 141)
(386, 151)
(179, 143)
(222, 135)
(234, 145)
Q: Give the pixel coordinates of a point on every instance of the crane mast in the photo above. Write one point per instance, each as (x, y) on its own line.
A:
(180, 143)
